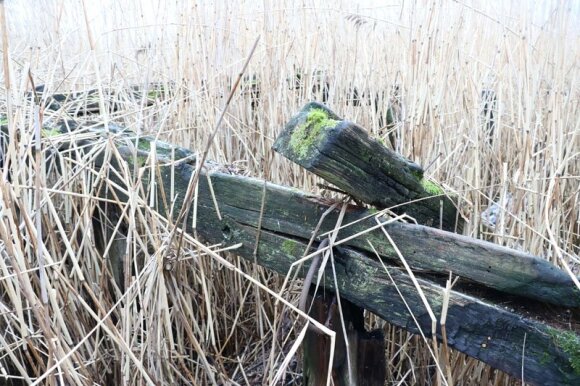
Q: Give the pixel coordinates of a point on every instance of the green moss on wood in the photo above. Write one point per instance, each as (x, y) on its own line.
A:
(163, 149)
(431, 187)
(308, 135)
(545, 359)
(140, 159)
(418, 174)
(289, 247)
(143, 144)
(568, 342)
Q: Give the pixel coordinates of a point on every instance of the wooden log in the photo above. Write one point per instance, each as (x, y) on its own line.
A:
(345, 155)
(481, 330)
(370, 355)
(317, 346)
(316, 354)
(293, 213)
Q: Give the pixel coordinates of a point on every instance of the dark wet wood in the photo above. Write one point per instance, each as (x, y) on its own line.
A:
(365, 362)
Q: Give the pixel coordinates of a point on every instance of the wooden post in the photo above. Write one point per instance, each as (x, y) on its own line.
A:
(358, 360)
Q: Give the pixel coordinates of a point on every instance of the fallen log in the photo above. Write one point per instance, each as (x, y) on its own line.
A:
(503, 339)
(345, 155)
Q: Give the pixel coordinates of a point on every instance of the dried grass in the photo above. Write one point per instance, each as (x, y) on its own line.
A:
(218, 320)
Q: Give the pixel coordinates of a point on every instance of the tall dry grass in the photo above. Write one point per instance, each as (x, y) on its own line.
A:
(64, 318)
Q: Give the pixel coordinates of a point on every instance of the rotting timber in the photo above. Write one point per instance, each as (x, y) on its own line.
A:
(477, 328)
(345, 155)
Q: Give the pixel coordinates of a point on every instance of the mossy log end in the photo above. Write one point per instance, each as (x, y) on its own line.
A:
(492, 334)
(345, 155)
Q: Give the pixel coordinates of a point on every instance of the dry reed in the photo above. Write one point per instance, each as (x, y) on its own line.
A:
(487, 96)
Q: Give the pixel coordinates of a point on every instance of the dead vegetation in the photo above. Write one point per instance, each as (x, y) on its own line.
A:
(69, 316)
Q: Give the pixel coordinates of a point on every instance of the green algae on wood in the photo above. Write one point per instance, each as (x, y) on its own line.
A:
(289, 247)
(50, 132)
(432, 187)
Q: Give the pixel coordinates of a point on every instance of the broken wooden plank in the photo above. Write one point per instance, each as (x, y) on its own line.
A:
(479, 329)
(345, 155)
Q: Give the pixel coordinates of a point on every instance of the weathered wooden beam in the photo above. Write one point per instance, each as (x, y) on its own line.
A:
(80, 103)
(345, 155)
(479, 329)
(503, 339)
(296, 214)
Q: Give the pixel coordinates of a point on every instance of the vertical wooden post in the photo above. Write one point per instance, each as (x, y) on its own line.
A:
(358, 360)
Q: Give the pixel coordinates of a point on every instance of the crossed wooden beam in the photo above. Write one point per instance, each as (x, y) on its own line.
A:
(493, 316)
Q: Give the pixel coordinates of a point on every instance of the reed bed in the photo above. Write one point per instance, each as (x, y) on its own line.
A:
(485, 95)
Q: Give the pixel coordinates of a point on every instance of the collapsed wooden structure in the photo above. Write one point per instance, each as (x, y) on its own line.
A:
(233, 209)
